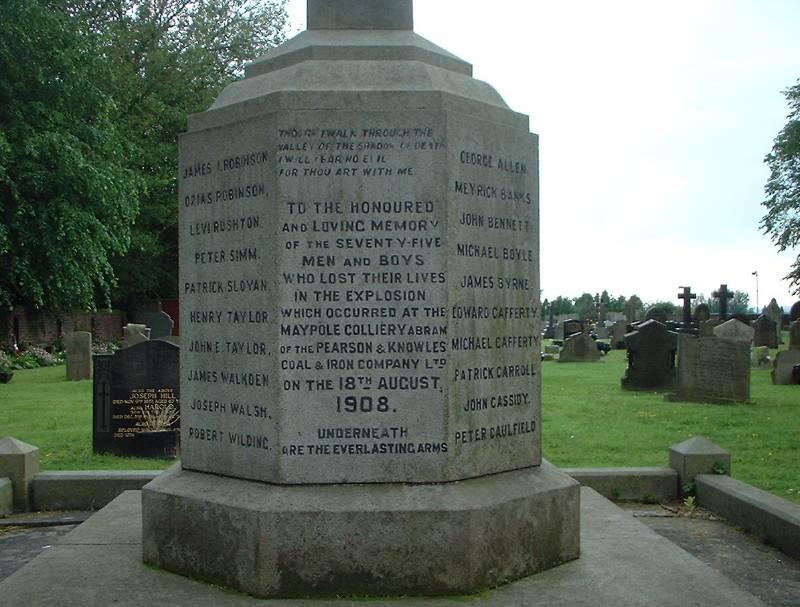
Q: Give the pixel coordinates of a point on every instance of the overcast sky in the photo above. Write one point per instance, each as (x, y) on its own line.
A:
(654, 119)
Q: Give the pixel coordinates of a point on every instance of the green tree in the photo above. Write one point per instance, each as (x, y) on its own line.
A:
(169, 59)
(782, 220)
(67, 198)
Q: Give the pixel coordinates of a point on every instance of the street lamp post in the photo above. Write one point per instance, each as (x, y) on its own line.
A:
(758, 308)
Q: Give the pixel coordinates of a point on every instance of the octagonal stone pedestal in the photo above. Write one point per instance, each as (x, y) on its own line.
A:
(389, 539)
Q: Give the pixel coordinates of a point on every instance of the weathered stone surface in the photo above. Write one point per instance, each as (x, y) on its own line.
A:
(651, 357)
(713, 370)
(134, 334)
(702, 313)
(794, 336)
(579, 348)
(19, 462)
(698, 455)
(382, 274)
(782, 368)
(360, 14)
(277, 540)
(765, 332)
(657, 314)
(775, 313)
(160, 325)
(617, 334)
(707, 327)
(735, 330)
(78, 347)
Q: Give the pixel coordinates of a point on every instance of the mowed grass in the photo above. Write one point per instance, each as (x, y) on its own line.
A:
(587, 421)
(42, 408)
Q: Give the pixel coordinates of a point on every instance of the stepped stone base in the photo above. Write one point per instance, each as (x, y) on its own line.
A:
(391, 539)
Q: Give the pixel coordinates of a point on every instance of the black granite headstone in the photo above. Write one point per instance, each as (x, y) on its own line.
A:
(137, 400)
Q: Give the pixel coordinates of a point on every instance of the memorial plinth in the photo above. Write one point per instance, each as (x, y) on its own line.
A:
(360, 278)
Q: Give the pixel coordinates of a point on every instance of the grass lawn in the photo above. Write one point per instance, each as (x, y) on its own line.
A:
(587, 421)
(42, 408)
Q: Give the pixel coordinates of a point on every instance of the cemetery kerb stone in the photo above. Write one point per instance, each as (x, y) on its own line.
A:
(579, 348)
(359, 280)
(78, 347)
(764, 332)
(134, 389)
(712, 370)
(651, 357)
(775, 313)
(785, 360)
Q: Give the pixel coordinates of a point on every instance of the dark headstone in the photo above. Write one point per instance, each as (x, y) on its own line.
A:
(794, 313)
(78, 347)
(137, 400)
(651, 357)
(796, 374)
(572, 326)
(765, 334)
(617, 335)
(702, 313)
(712, 370)
(775, 313)
(794, 335)
(160, 325)
(657, 314)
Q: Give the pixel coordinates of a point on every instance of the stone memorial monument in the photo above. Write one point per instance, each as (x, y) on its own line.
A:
(78, 347)
(359, 313)
(617, 334)
(133, 334)
(160, 325)
(735, 330)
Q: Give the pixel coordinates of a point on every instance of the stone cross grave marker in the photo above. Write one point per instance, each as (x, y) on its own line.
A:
(376, 332)
(78, 347)
(712, 369)
(775, 313)
(764, 332)
(136, 402)
(687, 296)
(723, 295)
(651, 357)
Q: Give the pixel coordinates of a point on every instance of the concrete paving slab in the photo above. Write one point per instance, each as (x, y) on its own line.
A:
(623, 563)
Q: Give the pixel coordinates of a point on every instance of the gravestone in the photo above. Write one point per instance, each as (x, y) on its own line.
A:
(651, 357)
(78, 347)
(764, 332)
(160, 325)
(794, 336)
(631, 312)
(707, 327)
(712, 370)
(656, 313)
(573, 326)
(785, 360)
(579, 348)
(760, 357)
(735, 330)
(601, 330)
(775, 313)
(133, 334)
(617, 335)
(794, 312)
(359, 316)
(702, 313)
(136, 402)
